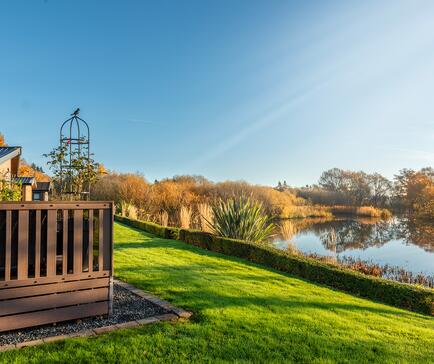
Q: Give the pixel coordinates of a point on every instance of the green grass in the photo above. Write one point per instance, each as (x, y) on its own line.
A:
(243, 313)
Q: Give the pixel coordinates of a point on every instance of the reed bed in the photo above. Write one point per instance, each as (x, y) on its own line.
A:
(363, 211)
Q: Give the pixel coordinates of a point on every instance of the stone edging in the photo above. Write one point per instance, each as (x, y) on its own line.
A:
(173, 315)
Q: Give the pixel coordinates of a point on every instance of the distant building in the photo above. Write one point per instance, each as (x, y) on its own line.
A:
(40, 193)
(9, 167)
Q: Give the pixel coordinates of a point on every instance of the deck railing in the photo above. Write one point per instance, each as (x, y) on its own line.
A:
(55, 262)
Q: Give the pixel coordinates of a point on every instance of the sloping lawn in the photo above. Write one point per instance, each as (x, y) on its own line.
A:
(243, 313)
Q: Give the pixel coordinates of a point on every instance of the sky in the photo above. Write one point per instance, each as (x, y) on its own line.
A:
(260, 91)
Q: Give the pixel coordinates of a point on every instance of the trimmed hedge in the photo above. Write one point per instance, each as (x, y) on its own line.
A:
(165, 232)
(397, 294)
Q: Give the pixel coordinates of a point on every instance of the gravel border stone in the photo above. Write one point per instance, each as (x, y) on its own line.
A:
(131, 307)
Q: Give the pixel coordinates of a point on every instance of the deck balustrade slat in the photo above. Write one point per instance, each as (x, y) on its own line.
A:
(65, 243)
(38, 244)
(51, 242)
(107, 264)
(8, 245)
(78, 241)
(23, 244)
(90, 240)
(101, 240)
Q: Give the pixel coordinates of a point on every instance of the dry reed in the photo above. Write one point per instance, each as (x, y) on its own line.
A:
(206, 216)
(164, 218)
(185, 217)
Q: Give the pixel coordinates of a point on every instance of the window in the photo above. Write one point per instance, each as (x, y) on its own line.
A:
(37, 196)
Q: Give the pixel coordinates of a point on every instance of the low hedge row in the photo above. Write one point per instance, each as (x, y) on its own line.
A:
(397, 294)
(166, 232)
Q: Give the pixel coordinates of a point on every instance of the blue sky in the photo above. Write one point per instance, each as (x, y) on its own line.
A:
(254, 90)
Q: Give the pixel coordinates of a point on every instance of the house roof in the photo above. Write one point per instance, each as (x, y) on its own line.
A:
(7, 153)
(43, 186)
(25, 180)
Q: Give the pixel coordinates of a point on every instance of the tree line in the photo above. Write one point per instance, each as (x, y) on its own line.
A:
(410, 191)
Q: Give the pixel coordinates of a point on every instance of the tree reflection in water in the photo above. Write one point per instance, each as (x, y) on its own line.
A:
(339, 235)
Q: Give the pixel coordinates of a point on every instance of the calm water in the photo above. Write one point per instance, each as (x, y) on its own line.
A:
(396, 242)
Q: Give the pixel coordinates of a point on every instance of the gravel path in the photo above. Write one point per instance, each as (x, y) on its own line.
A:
(126, 307)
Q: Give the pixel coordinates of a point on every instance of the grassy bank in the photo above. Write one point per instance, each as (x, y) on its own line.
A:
(243, 313)
(411, 297)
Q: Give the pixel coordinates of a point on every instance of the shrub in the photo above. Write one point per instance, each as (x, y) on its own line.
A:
(10, 190)
(393, 293)
(240, 218)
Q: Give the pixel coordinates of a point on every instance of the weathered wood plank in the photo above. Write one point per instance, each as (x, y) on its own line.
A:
(46, 280)
(49, 316)
(36, 303)
(57, 287)
(42, 205)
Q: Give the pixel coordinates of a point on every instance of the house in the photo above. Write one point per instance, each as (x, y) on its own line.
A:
(9, 161)
(9, 168)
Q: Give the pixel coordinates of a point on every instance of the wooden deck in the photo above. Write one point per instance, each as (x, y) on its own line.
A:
(55, 262)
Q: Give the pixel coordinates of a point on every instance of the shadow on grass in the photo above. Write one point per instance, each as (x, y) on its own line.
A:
(200, 293)
(193, 274)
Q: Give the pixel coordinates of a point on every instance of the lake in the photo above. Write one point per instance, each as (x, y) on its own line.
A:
(396, 242)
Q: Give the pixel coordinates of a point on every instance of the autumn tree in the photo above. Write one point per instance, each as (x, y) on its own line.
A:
(415, 191)
(355, 188)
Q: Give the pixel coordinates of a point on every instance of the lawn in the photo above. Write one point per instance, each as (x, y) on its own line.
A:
(242, 313)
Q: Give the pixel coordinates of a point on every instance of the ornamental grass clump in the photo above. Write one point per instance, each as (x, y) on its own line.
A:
(241, 219)
(205, 215)
(185, 217)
